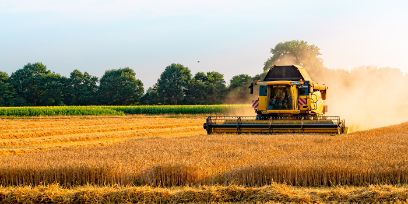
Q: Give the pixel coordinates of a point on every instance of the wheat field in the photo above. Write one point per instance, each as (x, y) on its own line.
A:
(23, 135)
(174, 150)
(204, 194)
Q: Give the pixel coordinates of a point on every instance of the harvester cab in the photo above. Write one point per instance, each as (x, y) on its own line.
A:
(288, 102)
(289, 91)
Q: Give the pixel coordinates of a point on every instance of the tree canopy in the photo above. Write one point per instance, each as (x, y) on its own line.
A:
(240, 81)
(173, 84)
(295, 52)
(82, 88)
(206, 88)
(120, 87)
(151, 96)
(7, 92)
(38, 86)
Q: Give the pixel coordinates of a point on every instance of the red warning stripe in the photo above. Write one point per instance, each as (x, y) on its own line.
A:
(255, 104)
(302, 101)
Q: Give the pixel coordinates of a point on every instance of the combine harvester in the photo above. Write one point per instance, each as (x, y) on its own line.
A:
(289, 102)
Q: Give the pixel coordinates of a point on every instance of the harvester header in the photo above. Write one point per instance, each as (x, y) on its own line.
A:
(289, 101)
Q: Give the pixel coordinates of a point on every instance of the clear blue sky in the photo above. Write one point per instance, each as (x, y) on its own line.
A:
(231, 37)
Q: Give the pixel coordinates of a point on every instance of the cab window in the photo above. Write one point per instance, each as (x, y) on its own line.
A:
(263, 91)
(280, 98)
(304, 91)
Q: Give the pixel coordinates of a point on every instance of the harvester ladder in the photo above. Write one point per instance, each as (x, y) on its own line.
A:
(239, 122)
(270, 125)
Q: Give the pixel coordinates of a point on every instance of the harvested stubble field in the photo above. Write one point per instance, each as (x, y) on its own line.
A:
(174, 150)
(203, 194)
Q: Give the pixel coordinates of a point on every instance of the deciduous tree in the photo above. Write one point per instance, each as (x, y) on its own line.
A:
(38, 86)
(173, 84)
(7, 92)
(120, 87)
(82, 88)
(295, 52)
(207, 88)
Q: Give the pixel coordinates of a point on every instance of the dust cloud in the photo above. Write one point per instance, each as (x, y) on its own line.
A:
(241, 95)
(366, 97)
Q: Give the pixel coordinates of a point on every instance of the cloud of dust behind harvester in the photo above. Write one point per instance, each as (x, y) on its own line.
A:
(366, 97)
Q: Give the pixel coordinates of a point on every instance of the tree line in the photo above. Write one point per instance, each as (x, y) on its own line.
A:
(35, 85)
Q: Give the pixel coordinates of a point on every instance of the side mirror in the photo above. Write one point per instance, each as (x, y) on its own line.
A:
(323, 94)
(251, 88)
(325, 109)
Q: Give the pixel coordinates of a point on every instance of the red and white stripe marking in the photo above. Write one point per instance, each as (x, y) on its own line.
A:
(255, 104)
(302, 101)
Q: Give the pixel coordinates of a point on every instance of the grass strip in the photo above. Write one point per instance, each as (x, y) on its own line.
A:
(118, 110)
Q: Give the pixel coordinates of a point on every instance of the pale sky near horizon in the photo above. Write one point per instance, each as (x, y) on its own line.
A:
(231, 37)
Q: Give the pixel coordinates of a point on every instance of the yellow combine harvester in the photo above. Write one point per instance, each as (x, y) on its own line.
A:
(288, 102)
